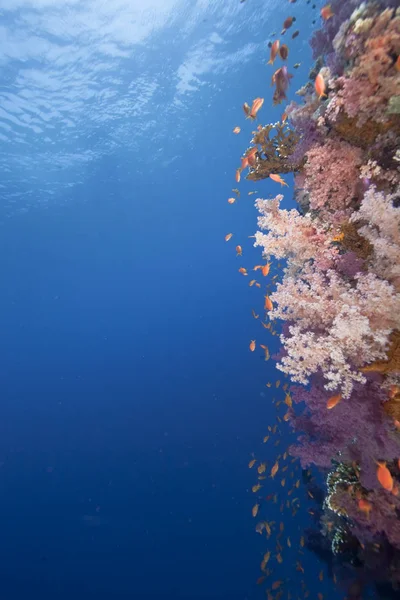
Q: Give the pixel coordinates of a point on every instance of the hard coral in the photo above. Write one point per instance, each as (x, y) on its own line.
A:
(275, 151)
(354, 242)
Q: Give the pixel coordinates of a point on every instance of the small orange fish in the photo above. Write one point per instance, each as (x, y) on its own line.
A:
(397, 64)
(257, 104)
(255, 315)
(384, 477)
(283, 52)
(260, 580)
(333, 401)
(255, 488)
(287, 23)
(278, 179)
(268, 304)
(228, 236)
(236, 130)
(244, 163)
(261, 468)
(284, 117)
(275, 469)
(321, 575)
(231, 200)
(279, 557)
(237, 176)
(252, 463)
(246, 109)
(265, 348)
(326, 12)
(276, 585)
(265, 269)
(320, 86)
(238, 250)
(266, 438)
(365, 506)
(243, 271)
(254, 510)
(274, 52)
(252, 282)
(299, 566)
(252, 345)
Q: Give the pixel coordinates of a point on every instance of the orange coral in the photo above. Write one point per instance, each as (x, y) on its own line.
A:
(392, 364)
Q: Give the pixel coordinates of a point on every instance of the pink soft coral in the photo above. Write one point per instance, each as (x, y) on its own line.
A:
(365, 91)
(331, 175)
(336, 326)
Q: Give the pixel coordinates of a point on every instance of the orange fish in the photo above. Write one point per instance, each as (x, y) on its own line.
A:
(320, 86)
(261, 468)
(284, 117)
(283, 52)
(277, 179)
(237, 175)
(228, 236)
(236, 130)
(252, 282)
(231, 200)
(326, 12)
(384, 477)
(255, 315)
(255, 488)
(276, 585)
(268, 304)
(265, 269)
(252, 345)
(274, 52)
(257, 104)
(238, 250)
(244, 163)
(243, 271)
(321, 575)
(397, 64)
(274, 469)
(254, 510)
(333, 401)
(251, 159)
(365, 506)
(265, 348)
(287, 23)
(246, 109)
(252, 463)
(394, 391)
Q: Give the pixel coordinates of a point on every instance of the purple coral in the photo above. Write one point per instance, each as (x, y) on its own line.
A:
(356, 429)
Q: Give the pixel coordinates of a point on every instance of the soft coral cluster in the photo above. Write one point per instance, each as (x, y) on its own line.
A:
(371, 43)
(331, 173)
(340, 294)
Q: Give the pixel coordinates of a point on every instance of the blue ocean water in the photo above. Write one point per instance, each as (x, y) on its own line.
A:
(130, 403)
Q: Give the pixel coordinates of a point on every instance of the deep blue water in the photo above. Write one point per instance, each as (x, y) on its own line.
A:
(130, 403)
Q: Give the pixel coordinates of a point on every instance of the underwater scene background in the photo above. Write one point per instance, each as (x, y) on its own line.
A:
(200, 310)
